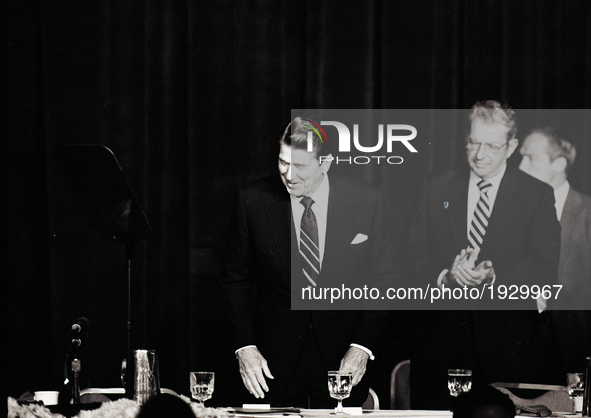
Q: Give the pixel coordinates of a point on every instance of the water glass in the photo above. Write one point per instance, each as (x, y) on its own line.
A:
(575, 385)
(339, 387)
(459, 381)
(202, 384)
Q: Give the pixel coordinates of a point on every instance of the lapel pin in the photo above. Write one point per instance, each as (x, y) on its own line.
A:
(445, 204)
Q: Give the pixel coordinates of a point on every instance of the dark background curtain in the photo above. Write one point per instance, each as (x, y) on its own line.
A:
(192, 97)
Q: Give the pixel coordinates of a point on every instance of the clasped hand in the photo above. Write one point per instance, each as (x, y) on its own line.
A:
(463, 273)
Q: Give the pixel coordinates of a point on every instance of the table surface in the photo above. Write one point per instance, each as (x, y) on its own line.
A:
(116, 408)
(15, 410)
(382, 413)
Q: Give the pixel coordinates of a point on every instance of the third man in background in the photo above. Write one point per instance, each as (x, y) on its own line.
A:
(548, 157)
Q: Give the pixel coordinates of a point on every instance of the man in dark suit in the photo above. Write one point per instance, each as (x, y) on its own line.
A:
(290, 232)
(548, 158)
(490, 225)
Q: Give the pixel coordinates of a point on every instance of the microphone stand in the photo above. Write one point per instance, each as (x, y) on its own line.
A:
(126, 365)
(76, 367)
(75, 364)
(111, 209)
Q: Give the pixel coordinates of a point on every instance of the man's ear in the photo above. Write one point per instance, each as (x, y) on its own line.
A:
(326, 162)
(512, 146)
(559, 165)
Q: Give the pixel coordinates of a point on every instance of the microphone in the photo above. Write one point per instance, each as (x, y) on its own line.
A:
(80, 325)
(80, 331)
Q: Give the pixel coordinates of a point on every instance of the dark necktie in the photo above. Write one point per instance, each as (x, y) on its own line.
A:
(309, 247)
(480, 218)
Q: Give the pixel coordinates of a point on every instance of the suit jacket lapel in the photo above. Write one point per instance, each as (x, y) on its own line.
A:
(336, 230)
(457, 210)
(568, 224)
(505, 207)
(571, 207)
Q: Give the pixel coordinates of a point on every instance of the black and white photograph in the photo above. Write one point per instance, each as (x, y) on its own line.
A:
(309, 208)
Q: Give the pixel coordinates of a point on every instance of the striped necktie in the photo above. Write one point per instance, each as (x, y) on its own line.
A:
(309, 248)
(480, 218)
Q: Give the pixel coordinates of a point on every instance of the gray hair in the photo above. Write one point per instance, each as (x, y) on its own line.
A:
(491, 111)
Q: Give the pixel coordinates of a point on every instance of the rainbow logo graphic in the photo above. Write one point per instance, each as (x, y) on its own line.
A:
(316, 128)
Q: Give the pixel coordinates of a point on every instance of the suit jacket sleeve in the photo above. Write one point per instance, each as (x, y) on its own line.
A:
(237, 284)
(538, 265)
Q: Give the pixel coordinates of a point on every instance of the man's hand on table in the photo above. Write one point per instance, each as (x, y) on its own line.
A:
(253, 369)
(355, 362)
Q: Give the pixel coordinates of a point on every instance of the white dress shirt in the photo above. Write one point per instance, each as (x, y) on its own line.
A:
(473, 198)
(560, 195)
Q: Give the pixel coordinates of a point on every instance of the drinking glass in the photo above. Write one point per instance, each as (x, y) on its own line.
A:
(339, 387)
(458, 381)
(575, 385)
(202, 386)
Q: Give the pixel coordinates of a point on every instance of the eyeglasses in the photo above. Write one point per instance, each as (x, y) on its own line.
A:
(488, 147)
